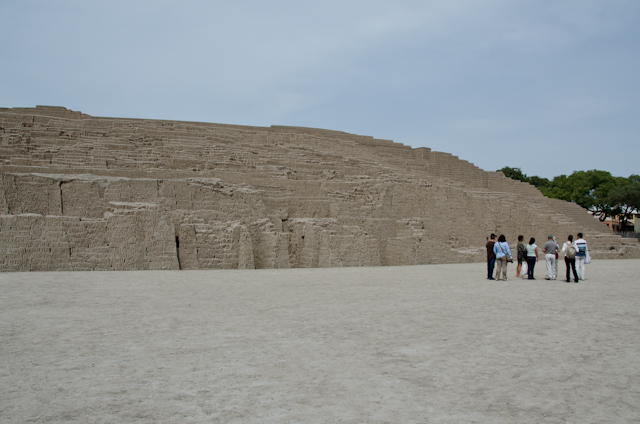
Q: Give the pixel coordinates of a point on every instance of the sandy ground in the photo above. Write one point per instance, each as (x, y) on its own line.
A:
(437, 344)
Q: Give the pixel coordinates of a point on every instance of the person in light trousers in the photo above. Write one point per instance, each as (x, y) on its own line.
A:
(581, 256)
(550, 248)
(502, 252)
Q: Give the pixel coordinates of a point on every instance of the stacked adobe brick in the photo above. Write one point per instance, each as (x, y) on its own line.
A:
(80, 192)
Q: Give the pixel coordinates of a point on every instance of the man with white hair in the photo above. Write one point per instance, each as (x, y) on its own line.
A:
(550, 248)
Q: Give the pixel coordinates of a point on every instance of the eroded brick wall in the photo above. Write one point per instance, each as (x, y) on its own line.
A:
(78, 192)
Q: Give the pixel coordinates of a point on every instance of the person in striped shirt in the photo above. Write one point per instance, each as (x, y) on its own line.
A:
(581, 255)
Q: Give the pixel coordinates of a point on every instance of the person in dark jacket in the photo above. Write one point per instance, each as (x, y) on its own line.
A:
(570, 249)
(491, 257)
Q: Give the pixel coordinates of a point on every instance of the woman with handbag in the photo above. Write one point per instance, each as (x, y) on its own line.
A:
(503, 255)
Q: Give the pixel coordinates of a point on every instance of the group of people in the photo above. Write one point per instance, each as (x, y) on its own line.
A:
(576, 255)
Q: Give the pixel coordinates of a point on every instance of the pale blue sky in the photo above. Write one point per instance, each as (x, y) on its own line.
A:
(547, 86)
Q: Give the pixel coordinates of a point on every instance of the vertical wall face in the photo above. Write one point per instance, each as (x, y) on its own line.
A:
(31, 195)
(132, 241)
(224, 246)
(80, 193)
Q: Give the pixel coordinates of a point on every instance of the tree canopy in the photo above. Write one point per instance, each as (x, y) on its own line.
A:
(626, 199)
(517, 174)
(598, 191)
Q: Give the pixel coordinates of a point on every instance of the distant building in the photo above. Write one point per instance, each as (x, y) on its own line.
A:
(615, 225)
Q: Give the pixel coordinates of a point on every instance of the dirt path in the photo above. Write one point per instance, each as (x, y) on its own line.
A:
(438, 344)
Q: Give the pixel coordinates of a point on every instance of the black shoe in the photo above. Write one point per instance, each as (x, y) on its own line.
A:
(568, 281)
(576, 281)
(490, 278)
(547, 278)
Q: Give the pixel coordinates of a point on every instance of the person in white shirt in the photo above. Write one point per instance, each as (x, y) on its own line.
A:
(581, 255)
(569, 249)
(532, 257)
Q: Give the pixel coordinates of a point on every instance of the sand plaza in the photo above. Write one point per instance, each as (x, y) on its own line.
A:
(410, 344)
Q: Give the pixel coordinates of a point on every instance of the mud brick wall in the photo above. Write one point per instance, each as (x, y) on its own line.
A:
(126, 241)
(81, 193)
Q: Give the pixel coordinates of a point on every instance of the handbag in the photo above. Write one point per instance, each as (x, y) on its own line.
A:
(510, 260)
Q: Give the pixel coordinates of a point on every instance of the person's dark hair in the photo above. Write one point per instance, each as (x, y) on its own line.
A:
(532, 240)
(520, 238)
(502, 238)
(492, 236)
(570, 238)
(579, 235)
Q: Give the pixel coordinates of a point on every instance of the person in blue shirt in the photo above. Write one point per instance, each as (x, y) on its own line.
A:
(502, 252)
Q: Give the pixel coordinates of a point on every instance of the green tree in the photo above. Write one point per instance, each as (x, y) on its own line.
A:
(589, 189)
(517, 174)
(538, 181)
(514, 173)
(626, 199)
(598, 191)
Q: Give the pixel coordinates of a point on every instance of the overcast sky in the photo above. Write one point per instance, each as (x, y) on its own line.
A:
(549, 86)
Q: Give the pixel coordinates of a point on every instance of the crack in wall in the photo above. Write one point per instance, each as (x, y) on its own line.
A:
(4, 195)
(178, 252)
(61, 202)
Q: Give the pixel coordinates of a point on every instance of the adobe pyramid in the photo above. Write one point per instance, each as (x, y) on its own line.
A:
(88, 193)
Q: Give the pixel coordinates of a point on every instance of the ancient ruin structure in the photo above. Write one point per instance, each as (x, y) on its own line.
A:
(87, 193)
